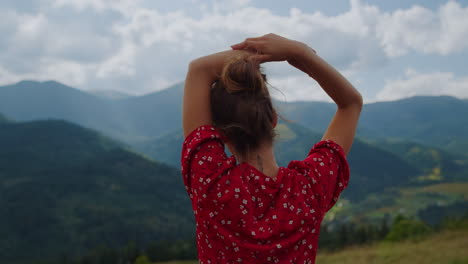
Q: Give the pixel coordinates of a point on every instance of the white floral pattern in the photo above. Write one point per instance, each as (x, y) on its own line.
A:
(244, 216)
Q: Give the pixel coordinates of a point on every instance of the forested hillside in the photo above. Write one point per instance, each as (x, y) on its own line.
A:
(67, 189)
(3, 119)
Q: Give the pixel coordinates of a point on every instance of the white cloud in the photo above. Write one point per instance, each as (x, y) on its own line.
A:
(74, 74)
(122, 6)
(423, 30)
(125, 45)
(416, 83)
(297, 88)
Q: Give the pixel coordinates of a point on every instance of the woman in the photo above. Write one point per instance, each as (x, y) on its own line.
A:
(248, 209)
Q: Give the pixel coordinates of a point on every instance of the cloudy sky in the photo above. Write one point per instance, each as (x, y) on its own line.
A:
(387, 49)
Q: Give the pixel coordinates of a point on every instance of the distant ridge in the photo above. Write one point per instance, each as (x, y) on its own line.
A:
(110, 94)
(30, 100)
(430, 120)
(129, 119)
(3, 119)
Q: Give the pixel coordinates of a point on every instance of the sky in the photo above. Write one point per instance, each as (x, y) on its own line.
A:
(387, 49)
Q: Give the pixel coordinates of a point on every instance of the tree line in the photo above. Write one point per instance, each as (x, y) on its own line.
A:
(333, 237)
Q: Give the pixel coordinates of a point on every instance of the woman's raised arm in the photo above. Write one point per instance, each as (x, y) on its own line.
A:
(342, 127)
(202, 72)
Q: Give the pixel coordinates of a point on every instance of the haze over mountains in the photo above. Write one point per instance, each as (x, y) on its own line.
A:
(3, 119)
(435, 121)
(122, 119)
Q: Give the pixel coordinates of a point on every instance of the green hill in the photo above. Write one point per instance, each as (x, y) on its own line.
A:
(67, 189)
(156, 113)
(3, 119)
(372, 169)
(436, 164)
(429, 202)
(429, 120)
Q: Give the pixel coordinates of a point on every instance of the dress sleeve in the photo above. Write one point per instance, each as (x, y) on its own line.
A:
(327, 170)
(202, 159)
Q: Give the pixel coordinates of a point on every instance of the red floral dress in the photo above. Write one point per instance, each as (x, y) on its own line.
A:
(244, 216)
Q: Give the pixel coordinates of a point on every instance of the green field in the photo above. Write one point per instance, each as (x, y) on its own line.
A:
(447, 247)
(409, 201)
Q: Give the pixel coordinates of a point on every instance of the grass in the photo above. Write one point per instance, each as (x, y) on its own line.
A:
(460, 188)
(410, 201)
(447, 247)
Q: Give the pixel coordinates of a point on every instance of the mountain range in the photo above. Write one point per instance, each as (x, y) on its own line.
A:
(78, 170)
(430, 120)
(3, 119)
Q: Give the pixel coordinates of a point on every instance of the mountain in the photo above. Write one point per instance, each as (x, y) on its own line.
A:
(424, 119)
(3, 119)
(156, 113)
(29, 100)
(372, 169)
(436, 164)
(67, 189)
(110, 94)
(430, 120)
(130, 119)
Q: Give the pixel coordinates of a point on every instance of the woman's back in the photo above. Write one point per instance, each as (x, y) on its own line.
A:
(242, 215)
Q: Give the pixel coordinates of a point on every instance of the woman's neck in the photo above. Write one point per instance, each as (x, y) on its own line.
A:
(263, 159)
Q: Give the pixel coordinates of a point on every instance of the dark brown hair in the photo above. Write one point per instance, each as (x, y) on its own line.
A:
(241, 105)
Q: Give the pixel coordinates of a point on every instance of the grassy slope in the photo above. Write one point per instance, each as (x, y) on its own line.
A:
(404, 200)
(448, 247)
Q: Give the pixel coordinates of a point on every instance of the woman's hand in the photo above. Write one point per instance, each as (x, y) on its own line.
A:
(272, 47)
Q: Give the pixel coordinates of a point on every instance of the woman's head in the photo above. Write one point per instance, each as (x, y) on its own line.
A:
(241, 106)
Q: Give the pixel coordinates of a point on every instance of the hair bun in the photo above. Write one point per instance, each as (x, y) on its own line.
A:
(243, 75)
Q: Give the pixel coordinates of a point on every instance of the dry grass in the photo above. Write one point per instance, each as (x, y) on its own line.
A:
(448, 247)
